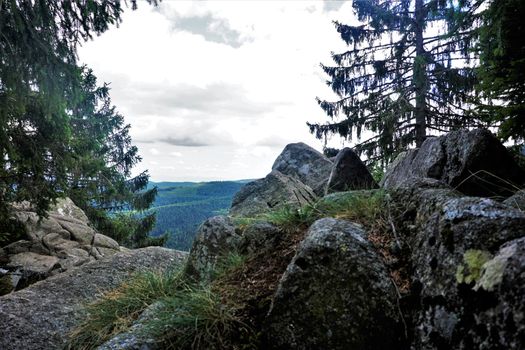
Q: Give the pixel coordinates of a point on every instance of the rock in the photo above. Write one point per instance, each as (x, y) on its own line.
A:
(349, 173)
(499, 323)
(335, 294)
(66, 209)
(105, 242)
(474, 162)
(42, 315)
(259, 237)
(456, 244)
(64, 238)
(215, 237)
(32, 267)
(274, 191)
(306, 164)
(517, 200)
(79, 232)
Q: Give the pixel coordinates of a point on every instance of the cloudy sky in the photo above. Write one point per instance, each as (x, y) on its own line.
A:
(215, 90)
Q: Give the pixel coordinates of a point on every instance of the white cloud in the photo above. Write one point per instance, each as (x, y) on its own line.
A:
(221, 86)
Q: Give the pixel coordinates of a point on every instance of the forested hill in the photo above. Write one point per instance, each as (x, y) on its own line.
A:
(182, 206)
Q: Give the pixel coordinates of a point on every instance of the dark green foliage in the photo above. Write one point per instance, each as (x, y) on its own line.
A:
(38, 80)
(404, 75)
(502, 68)
(182, 207)
(99, 169)
(59, 134)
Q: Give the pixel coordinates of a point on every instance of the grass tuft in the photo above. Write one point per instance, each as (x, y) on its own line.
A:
(116, 310)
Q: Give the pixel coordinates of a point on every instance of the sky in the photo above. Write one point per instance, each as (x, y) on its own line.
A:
(215, 90)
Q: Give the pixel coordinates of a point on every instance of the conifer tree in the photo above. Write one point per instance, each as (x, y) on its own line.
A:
(502, 67)
(99, 169)
(406, 74)
(42, 153)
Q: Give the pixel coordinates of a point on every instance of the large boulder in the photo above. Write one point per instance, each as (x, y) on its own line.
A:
(349, 173)
(474, 162)
(52, 244)
(453, 240)
(216, 237)
(306, 164)
(42, 315)
(274, 191)
(335, 294)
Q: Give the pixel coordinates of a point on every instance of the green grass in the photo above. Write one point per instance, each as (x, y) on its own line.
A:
(116, 310)
(364, 207)
(188, 316)
(196, 317)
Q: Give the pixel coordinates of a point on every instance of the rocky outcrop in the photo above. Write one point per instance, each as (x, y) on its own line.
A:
(42, 315)
(306, 164)
(458, 245)
(335, 294)
(52, 244)
(474, 162)
(216, 237)
(272, 192)
(349, 173)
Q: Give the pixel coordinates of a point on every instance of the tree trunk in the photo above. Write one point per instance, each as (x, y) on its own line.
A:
(420, 74)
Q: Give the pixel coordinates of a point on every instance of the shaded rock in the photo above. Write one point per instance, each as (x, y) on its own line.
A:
(499, 316)
(42, 315)
(215, 237)
(453, 239)
(30, 267)
(274, 191)
(306, 164)
(474, 162)
(349, 173)
(335, 294)
(261, 236)
(517, 200)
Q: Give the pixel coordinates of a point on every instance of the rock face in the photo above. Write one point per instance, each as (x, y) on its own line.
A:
(460, 256)
(274, 191)
(41, 316)
(517, 200)
(261, 236)
(215, 237)
(471, 161)
(306, 164)
(335, 294)
(349, 173)
(54, 244)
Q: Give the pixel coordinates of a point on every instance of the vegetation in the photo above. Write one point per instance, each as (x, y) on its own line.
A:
(226, 312)
(406, 72)
(180, 208)
(424, 67)
(502, 68)
(59, 134)
(187, 315)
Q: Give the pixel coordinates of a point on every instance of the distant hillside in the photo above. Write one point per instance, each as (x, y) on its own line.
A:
(182, 206)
